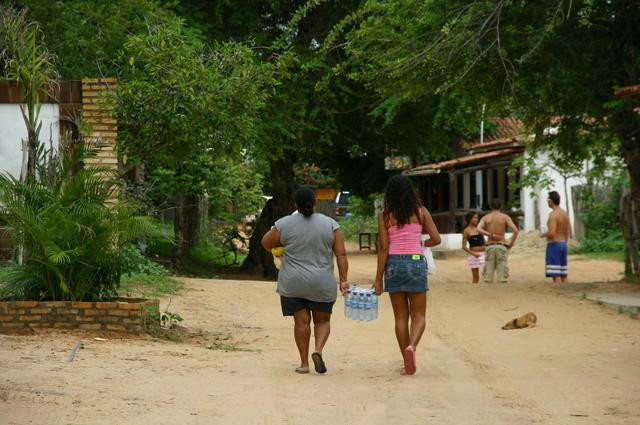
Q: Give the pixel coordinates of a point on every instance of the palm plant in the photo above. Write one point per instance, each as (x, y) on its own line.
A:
(72, 233)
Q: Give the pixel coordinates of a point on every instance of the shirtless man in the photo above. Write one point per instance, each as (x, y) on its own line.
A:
(557, 234)
(494, 225)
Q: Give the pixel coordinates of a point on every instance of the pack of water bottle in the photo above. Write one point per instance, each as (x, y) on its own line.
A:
(361, 304)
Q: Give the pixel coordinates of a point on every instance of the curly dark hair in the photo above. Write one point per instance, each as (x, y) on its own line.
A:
(401, 199)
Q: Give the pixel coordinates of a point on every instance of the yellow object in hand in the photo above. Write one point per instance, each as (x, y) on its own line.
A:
(278, 251)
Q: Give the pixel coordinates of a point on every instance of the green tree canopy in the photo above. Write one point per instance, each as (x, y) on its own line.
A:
(87, 35)
(183, 108)
(549, 62)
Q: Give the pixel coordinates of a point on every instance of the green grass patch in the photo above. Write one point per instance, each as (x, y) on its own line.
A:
(612, 256)
(207, 259)
(146, 285)
(211, 253)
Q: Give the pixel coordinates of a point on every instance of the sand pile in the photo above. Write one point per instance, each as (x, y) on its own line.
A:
(529, 243)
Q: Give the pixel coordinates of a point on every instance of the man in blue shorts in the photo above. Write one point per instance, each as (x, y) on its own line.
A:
(557, 235)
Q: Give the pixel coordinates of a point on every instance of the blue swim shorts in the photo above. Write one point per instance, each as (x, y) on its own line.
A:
(405, 273)
(556, 259)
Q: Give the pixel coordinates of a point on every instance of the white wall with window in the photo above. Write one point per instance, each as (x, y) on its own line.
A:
(13, 130)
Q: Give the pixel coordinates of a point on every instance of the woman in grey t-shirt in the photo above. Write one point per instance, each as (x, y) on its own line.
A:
(306, 282)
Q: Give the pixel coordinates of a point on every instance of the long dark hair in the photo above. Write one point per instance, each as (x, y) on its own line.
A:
(401, 199)
(305, 201)
(469, 217)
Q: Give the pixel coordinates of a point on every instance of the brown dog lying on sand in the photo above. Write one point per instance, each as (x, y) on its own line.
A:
(525, 321)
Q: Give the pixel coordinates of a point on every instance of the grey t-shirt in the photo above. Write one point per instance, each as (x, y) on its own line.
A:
(307, 265)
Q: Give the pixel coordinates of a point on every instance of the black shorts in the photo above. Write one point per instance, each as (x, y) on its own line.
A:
(291, 305)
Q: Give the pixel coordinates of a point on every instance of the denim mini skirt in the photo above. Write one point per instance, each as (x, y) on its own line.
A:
(405, 273)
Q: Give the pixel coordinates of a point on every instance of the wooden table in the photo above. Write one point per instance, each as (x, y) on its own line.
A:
(368, 236)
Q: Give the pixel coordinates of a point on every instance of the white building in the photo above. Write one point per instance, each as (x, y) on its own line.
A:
(484, 171)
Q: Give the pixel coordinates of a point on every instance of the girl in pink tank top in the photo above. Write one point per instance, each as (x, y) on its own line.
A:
(405, 239)
(400, 262)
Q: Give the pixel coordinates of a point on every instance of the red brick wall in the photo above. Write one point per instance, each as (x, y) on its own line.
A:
(125, 315)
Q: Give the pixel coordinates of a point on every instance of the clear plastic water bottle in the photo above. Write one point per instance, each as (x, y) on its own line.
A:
(347, 303)
(353, 310)
(368, 308)
(361, 306)
(374, 307)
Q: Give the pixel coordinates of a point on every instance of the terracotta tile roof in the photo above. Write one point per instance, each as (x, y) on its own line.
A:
(628, 91)
(507, 131)
(453, 163)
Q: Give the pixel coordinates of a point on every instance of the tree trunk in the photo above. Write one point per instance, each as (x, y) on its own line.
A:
(138, 181)
(630, 214)
(566, 196)
(258, 260)
(187, 225)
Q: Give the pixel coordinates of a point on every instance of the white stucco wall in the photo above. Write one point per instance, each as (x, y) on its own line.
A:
(453, 241)
(536, 198)
(13, 130)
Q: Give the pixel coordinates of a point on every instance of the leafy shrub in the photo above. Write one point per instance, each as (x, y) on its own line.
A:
(356, 224)
(237, 191)
(602, 219)
(211, 252)
(69, 233)
(3, 274)
(162, 247)
(132, 261)
(364, 207)
(601, 241)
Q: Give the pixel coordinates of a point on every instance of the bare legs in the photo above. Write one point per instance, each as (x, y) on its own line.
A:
(559, 279)
(418, 313)
(475, 274)
(409, 305)
(321, 329)
(302, 332)
(400, 304)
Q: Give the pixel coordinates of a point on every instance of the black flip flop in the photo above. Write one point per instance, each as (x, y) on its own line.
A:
(318, 363)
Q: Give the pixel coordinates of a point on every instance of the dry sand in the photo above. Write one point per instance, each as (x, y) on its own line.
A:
(580, 365)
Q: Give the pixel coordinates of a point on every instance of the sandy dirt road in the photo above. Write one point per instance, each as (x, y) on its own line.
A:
(581, 365)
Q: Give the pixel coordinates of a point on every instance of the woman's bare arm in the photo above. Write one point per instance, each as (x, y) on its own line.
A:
(429, 227)
(383, 252)
(465, 241)
(271, 239)
(481, 230)
(341, 258)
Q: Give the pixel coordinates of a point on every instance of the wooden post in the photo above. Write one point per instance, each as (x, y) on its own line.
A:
(453, 199)
(479, 193)
(466, 191)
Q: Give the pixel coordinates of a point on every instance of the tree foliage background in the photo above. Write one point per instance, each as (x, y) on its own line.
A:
(210, 84)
